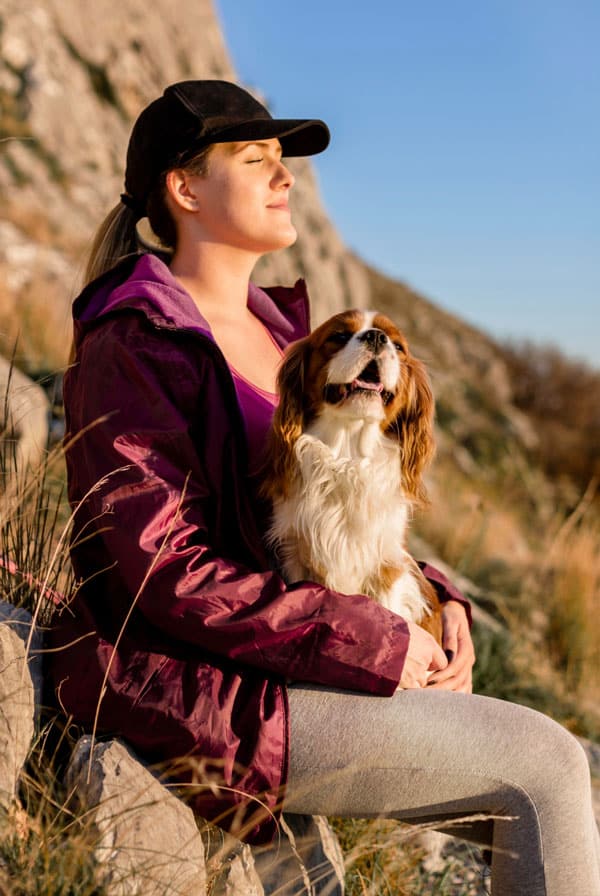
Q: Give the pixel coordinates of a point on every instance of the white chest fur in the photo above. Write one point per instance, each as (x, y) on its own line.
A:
(344, 523)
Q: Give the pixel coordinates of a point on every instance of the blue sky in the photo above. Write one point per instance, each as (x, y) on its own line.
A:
(465, 153)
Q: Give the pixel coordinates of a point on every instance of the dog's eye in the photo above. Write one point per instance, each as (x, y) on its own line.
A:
(339, 337)
(399, 346)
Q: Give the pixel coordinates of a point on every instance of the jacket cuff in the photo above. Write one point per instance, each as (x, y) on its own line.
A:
(394, 662)
(445, 589)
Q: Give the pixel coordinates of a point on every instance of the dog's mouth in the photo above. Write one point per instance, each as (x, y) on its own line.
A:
(368, 382)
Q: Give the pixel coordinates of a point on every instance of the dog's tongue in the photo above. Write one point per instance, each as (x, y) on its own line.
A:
(364, 384)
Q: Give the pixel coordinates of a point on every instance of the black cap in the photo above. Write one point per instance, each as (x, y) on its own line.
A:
(192, 114)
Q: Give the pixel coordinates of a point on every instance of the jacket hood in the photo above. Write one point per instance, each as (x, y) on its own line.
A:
(145, 284)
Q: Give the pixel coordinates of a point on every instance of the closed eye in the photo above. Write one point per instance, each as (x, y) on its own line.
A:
(339, 337)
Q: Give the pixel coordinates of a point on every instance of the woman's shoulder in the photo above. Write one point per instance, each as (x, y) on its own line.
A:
(127, 339)
(141, 283)
(124, 362)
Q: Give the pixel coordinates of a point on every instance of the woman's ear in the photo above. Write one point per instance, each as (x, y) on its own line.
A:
(413, 427)
(180, 187)
(288, 420)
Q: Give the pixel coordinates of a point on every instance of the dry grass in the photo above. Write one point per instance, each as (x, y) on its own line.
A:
(35, 319)
(477, 531)
(48, 845)
(569, 593)
(45, 848)
(540, 568)
(34, 521)
(380, 857)
(384, 857)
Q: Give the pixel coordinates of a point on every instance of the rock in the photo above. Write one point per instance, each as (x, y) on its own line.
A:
(20, 684)
(592, 751)
(306, 861)
(149, 843)
(24, 418)
(68, 104)
(231, 866)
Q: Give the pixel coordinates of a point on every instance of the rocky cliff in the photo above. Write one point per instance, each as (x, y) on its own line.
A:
(73, 76)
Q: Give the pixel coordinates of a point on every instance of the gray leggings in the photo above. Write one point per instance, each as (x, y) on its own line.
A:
(427, 756)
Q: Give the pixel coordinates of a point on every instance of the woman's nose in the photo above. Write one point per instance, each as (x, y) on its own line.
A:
(284, 177)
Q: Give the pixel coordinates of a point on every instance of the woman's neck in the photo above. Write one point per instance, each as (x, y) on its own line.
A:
(216, 276)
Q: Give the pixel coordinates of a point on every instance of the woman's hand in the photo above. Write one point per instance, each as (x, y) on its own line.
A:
(456, 638)
(424, 657)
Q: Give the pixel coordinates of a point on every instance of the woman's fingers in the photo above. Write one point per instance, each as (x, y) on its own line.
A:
(450, 668)
(424, 656)
(457, 676)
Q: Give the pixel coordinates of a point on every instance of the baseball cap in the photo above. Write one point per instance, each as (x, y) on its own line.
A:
(190, 115)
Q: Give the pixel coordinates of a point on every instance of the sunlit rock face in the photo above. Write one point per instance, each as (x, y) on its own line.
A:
(73, 77)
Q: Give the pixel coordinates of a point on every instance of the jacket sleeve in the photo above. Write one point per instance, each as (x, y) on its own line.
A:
(445, 589)
(154, 486)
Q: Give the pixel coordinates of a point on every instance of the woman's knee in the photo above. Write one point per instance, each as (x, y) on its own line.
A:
(553, 757)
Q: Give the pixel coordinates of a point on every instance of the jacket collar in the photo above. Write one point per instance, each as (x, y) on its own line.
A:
(145, 283)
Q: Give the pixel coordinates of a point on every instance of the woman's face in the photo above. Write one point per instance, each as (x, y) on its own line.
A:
(242, 200)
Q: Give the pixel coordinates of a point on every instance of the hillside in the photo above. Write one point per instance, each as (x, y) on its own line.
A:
(66, 107)
(67, 103)
(514, 502)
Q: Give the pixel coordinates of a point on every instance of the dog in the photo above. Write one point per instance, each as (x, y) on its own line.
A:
(350, 440)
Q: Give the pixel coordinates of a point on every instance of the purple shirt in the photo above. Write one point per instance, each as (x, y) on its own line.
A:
(257, 406)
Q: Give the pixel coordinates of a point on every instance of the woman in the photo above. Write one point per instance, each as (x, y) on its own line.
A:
(181, 638)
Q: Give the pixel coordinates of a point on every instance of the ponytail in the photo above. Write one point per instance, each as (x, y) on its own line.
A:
(115, 238)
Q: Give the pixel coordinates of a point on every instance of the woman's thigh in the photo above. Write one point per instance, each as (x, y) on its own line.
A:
(436, 755)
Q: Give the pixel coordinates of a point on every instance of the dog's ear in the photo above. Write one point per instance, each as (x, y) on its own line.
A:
(413, 427)
(288, 420)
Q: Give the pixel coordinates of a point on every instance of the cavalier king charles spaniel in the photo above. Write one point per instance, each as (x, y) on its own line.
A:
(351, 437)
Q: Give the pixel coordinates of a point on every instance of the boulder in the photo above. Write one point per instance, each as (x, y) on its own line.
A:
(148, 841)
(231, 867)
(20, 690)
(24, 425)
(306, 861)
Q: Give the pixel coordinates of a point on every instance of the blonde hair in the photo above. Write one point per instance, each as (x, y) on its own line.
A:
(115, 238)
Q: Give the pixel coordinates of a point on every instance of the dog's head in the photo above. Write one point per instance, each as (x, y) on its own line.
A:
(355, 366)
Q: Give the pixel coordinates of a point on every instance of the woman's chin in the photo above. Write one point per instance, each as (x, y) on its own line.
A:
(287, 236)
(281, 241)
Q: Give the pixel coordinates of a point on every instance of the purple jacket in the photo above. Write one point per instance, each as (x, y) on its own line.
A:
(180, 637)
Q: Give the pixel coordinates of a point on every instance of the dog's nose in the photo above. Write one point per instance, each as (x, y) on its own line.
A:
(375, 339)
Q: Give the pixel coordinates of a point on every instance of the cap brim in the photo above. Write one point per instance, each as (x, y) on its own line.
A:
(298, 137)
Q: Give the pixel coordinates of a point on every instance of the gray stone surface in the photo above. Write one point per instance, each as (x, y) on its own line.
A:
(148, 840)
(24, 417)
(17, 697)
(68, 104)
(231, 866)
(305, 861)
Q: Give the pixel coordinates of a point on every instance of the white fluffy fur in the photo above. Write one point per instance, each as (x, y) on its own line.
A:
(347, 513)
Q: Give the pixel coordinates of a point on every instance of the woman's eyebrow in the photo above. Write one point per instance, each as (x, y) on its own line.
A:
(261, 143)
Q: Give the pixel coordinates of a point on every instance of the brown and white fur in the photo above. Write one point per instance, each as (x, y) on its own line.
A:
(350, 440)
